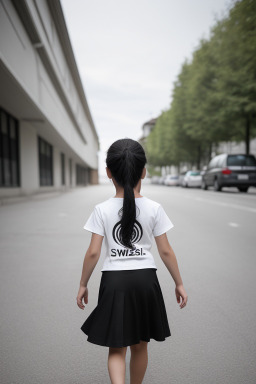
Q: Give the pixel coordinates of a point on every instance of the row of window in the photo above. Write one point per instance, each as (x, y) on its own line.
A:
(9, 151)
(9, 158)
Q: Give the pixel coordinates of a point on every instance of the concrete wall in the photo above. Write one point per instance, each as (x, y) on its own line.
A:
(39, 89)
(29, 161)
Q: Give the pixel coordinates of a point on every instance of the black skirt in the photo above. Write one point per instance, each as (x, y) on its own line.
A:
(130, 308)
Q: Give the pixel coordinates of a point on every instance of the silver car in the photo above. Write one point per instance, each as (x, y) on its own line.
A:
(171, 180)
(161, 179)
(230, 171)
(154, 179)
(192, 179)
(181, 177)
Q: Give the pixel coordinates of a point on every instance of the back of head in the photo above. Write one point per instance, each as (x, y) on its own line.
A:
(126, 160)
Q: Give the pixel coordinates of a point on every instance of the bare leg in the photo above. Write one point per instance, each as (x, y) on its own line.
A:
(138, 362)
(116, 365)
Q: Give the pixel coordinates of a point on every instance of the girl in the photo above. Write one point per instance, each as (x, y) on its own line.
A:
(131, 308)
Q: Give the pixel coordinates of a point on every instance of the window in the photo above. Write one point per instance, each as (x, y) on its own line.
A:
(241, 160)
(220, 162)
(81, 175)
(214, 162)
(9, 151)
(70, 171)
(45, 162)
(62, 168)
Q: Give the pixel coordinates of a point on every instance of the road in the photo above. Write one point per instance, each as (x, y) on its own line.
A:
(42, 249)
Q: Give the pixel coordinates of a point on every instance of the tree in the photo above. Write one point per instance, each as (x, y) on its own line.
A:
(234, 47)
(214, 96)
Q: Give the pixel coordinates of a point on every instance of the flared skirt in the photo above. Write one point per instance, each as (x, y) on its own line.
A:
(130, 308)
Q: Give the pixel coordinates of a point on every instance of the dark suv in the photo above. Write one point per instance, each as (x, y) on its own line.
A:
(230, 171)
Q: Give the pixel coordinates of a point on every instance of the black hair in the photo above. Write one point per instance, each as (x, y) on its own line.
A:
(126, 159)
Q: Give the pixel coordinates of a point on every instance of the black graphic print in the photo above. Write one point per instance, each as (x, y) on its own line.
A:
(136, 234)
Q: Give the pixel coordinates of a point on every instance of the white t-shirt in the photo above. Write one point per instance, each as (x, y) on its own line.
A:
(151, 221)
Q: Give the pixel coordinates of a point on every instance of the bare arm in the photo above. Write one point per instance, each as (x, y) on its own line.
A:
(90, 260)
(168, 256)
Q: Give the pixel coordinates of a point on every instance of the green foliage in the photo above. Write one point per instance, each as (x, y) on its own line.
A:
(235, 50)
(152, 171)
(214, 97)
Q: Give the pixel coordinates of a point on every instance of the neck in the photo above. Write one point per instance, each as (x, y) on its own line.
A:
(120, 190)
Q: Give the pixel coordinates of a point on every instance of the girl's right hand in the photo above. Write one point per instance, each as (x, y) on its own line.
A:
(180, 292)
(82, 295)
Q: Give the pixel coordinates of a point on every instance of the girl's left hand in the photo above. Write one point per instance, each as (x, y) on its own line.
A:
(82, 294)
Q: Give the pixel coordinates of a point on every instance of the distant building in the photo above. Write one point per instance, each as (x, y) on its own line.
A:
(48, 140)
(147, 128)
(233, 147)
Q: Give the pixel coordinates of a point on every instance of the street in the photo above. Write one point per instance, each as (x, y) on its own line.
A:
(42, 248)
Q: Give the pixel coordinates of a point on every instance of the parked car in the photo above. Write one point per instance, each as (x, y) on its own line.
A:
(192, 179)
(230, 171)
(181, 177)
(171, 180)
(161, 179)
(154, 179)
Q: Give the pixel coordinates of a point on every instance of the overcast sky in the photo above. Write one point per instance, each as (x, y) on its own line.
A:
(129, 53)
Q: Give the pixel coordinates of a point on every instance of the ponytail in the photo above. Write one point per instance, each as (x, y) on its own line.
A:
(126, 159)
(129, 216)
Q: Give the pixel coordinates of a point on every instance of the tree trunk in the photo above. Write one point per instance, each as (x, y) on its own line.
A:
(210, 152)
(247, 135)
(199, 157)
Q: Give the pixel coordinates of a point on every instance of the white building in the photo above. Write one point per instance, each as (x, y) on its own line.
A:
(47, 136)
(235, 147)
(146, 129)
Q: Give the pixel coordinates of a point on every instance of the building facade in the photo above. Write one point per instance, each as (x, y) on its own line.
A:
(48, 140)
(146, 129)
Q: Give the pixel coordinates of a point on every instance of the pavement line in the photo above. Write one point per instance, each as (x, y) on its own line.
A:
(231, 205)
(228, 205)
(235, 225)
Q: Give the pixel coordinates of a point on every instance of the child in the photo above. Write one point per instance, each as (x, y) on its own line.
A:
(131, 308)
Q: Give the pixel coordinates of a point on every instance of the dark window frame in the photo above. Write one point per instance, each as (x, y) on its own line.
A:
(45, 160)
(70, 171)
(9, 152)
(62, 160)
(82, 177)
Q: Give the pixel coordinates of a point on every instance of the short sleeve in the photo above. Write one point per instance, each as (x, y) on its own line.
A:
(162, 222)
(95, 223)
